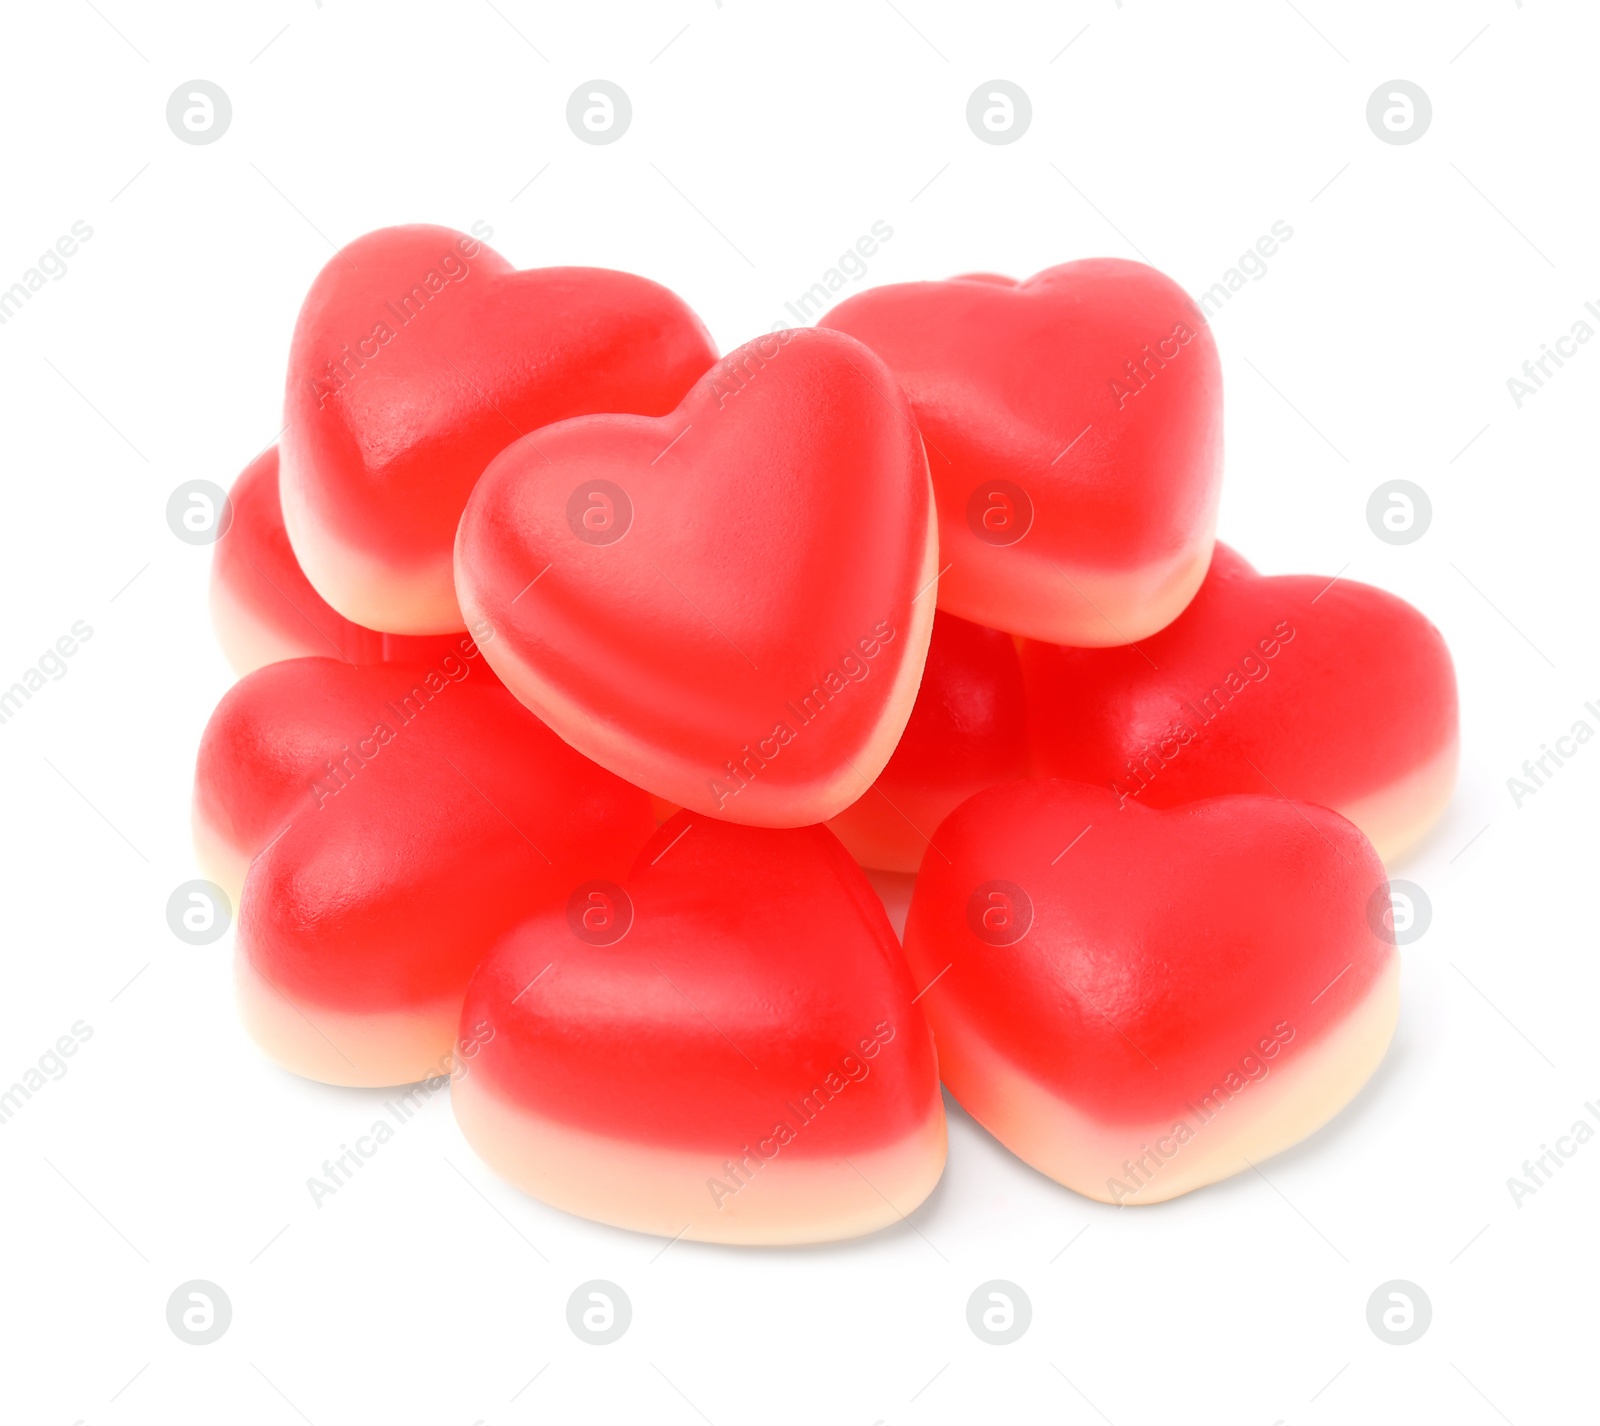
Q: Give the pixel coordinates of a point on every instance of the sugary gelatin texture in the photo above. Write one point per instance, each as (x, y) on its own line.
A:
(264, 608)
(730, 605)
(724, 1047)
(1139, 1003)
(395, 820)
(968, 731)
(1327, 691)
(420, 354)
(1074, 432)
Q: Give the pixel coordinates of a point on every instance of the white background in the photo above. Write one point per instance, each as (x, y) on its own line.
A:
(765, 139)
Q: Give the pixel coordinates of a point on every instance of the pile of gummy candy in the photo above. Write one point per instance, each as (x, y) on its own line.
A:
(606, 705)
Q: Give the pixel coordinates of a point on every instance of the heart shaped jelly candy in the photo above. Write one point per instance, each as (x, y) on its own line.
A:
(730, 605)
(1074, 430)
(968, 731)
(1328, 691)
(725, 1047)
(396, 819)
(264, 608)
(419, 355)
(1139, 1003)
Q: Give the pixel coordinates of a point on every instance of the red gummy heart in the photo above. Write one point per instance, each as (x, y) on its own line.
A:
(401, 819)
(968, 731)
(1139, 1003)
(1074, 430)
(264, 608)
(1327, 691)
(725, 1049)
(419, 355)
(729, 606)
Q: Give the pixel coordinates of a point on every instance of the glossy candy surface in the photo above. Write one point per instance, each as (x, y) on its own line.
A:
(1139, 1003)
(968, 731)
(264, 608)
(1327, 691)
(729, 606)
(418, 356)
(395, 820)
(1074, 432)
(724, 1046)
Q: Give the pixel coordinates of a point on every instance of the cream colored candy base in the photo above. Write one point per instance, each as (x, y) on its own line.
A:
(1080, 607)
(219, 860)
(783, 1200)
(249, 642)
(1149, 1163)
(417, 599)
(1399, 816)
(367, 1050)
